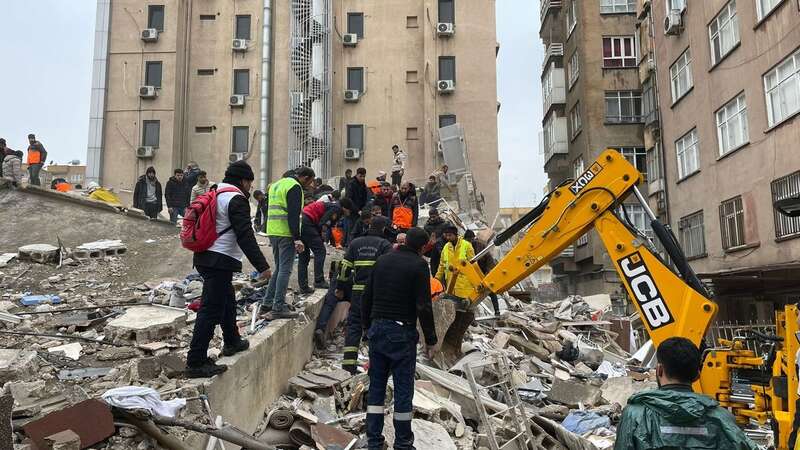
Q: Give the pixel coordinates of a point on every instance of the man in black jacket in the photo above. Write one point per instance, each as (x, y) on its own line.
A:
(356, 268)
(147, 194)
(397, 294)
(217, 265)
(357, 190)
(175, 196)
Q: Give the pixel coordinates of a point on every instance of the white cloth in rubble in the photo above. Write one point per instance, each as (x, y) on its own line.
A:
(139, 397)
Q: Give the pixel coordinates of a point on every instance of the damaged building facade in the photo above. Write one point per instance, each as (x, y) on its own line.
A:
(332, 84)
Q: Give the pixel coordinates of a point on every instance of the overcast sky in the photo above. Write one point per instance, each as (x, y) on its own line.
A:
(46, 79)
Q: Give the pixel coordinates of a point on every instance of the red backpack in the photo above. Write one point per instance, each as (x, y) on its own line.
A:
(199, 230)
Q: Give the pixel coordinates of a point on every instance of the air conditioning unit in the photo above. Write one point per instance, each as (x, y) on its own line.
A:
(233, 157)
(148, 92)
(145, 151)
(651, 65)
(445, 29)
(240, 45)
(350, 39)
(237, 100)
(352, 154)
(150, 35)
(446, 86)
(352, 95)
(673, 23)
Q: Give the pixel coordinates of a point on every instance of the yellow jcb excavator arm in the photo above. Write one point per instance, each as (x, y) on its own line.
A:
(669, 304)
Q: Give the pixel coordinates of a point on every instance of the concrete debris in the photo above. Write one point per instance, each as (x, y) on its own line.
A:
(17, 364)
(99, 249)
(6, 258)
(71, 351)
(144, 324)
(63, 440)
(38, 253)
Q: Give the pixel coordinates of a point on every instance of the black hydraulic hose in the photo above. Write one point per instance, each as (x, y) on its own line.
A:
(667, 238)
(520, 224)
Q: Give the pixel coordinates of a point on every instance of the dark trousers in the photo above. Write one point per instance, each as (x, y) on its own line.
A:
(312, 240)
(354, 332)
(176, 211)
(397, 178)
(218, 308)
(392, 351)
(151, 210)
(33, 174)
(495, 303)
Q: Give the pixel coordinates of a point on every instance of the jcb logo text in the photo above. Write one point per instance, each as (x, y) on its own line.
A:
(645, 291)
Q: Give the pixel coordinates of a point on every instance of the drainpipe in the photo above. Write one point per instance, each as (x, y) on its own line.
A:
(266, 88)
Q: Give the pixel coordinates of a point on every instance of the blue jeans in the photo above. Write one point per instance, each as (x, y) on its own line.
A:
(392, 351)
(174, 212)
(283, 252)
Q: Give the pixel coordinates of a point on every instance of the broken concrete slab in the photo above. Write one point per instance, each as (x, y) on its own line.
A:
(574, 393)
(6, 258)
(427, 435)
(99, 249)
(116, 353)
(40, 253)
(619, 389)
(145, 324)
(81, 374)
(90, 419)
(63, 440)
(71, 351)
(17, 364)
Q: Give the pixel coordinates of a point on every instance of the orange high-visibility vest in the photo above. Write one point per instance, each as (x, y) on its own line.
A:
(34, 156)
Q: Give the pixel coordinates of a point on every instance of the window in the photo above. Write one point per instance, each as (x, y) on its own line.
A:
(152, 73)
(241, 82)
(636, 156)
(155, 17)
(243, 27)
(412, 22)
(654, 166)
(573, 68)
(583, 240)
(619, 52)
(239, 140)
(764, 7)
(688, 152)
(355, 136)
(723, 32)
(782, 188)
(447, 68)
(151, 130)
(623, 107)
(447, 11)
(681, 74)
(639, 218)
(205, 72)
(572, 17)
(355, 24)
(782, 88)
(617, 6)
(412, 76)
(649, 110)
(412, 134)
(355, 79)
(445, 120)
(575, 120)
(680, 5)
(731, 223)
(203, 129)
(732, 130)
(208, 17)
(578, 167)
(691, 230)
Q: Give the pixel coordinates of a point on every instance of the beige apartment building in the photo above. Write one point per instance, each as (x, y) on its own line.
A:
(332, 84)
(592, 101)
(724, 76)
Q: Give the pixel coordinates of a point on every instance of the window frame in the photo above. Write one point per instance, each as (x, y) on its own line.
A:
(655, 168)
(786, 82)
(740, 116)
(735, 217)
(761, 14)
(235, 141)
(447, 117)
(732, 21)
(695, 146)
(578, 166)
(576, 126)
(148, 81)
(360, 31)
(439, 9)
(145, 127)
(349, 142)
(639, 218)
(630, 6)
(573, 68)
(686, 59)
(571, 17)
(777, 192)
(688, 228)
(443, 59)
(627, 60)
(620, 119)
(360, 72)
(236, 82)
(633, 154)
(152, 10)
(240, 31)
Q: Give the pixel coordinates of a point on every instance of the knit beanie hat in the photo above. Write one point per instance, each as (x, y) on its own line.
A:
(239, 170)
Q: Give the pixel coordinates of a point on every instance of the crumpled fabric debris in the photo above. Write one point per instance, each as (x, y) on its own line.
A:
(139, 397)
(581, 422)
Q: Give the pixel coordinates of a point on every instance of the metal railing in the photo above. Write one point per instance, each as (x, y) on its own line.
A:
(546, 6)
(730, 330)
(554, 49)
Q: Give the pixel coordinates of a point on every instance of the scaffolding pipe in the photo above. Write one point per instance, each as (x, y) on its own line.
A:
(266, 89)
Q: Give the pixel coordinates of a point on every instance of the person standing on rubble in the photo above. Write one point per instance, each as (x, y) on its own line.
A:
(486, 264)
(398, 165)
(357, 189)
(356, 269)
(147, 194)
(201, 187)
(316, 216)
(175, 195)
(217, 265)
(398, 293)
(404, 209)
(456, 249)
(37, 156)
(11, 164)
(434, 227)
(674, 417)
(286, 201)
(344, 181)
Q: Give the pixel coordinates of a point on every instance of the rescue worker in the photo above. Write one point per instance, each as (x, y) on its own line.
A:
(37, 156)
(397, 294)
(147, 194)
(317, 215)
(376, 184)
(12, 165)
(672, 416)
(283, 228)
(404, 209)
(217, 265)
(456, 249)
(486, 264)
(398, 165)
(356, 269)
(175, 195)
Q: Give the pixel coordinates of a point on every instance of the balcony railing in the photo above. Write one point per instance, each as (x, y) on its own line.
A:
(548, 5)
(568, 252)
(553, 50)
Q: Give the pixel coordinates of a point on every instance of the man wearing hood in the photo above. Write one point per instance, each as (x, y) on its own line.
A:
(674, 417)
(147, 194)
(217, 265)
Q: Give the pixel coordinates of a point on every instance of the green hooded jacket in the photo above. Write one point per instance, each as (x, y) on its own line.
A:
(674, 417)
